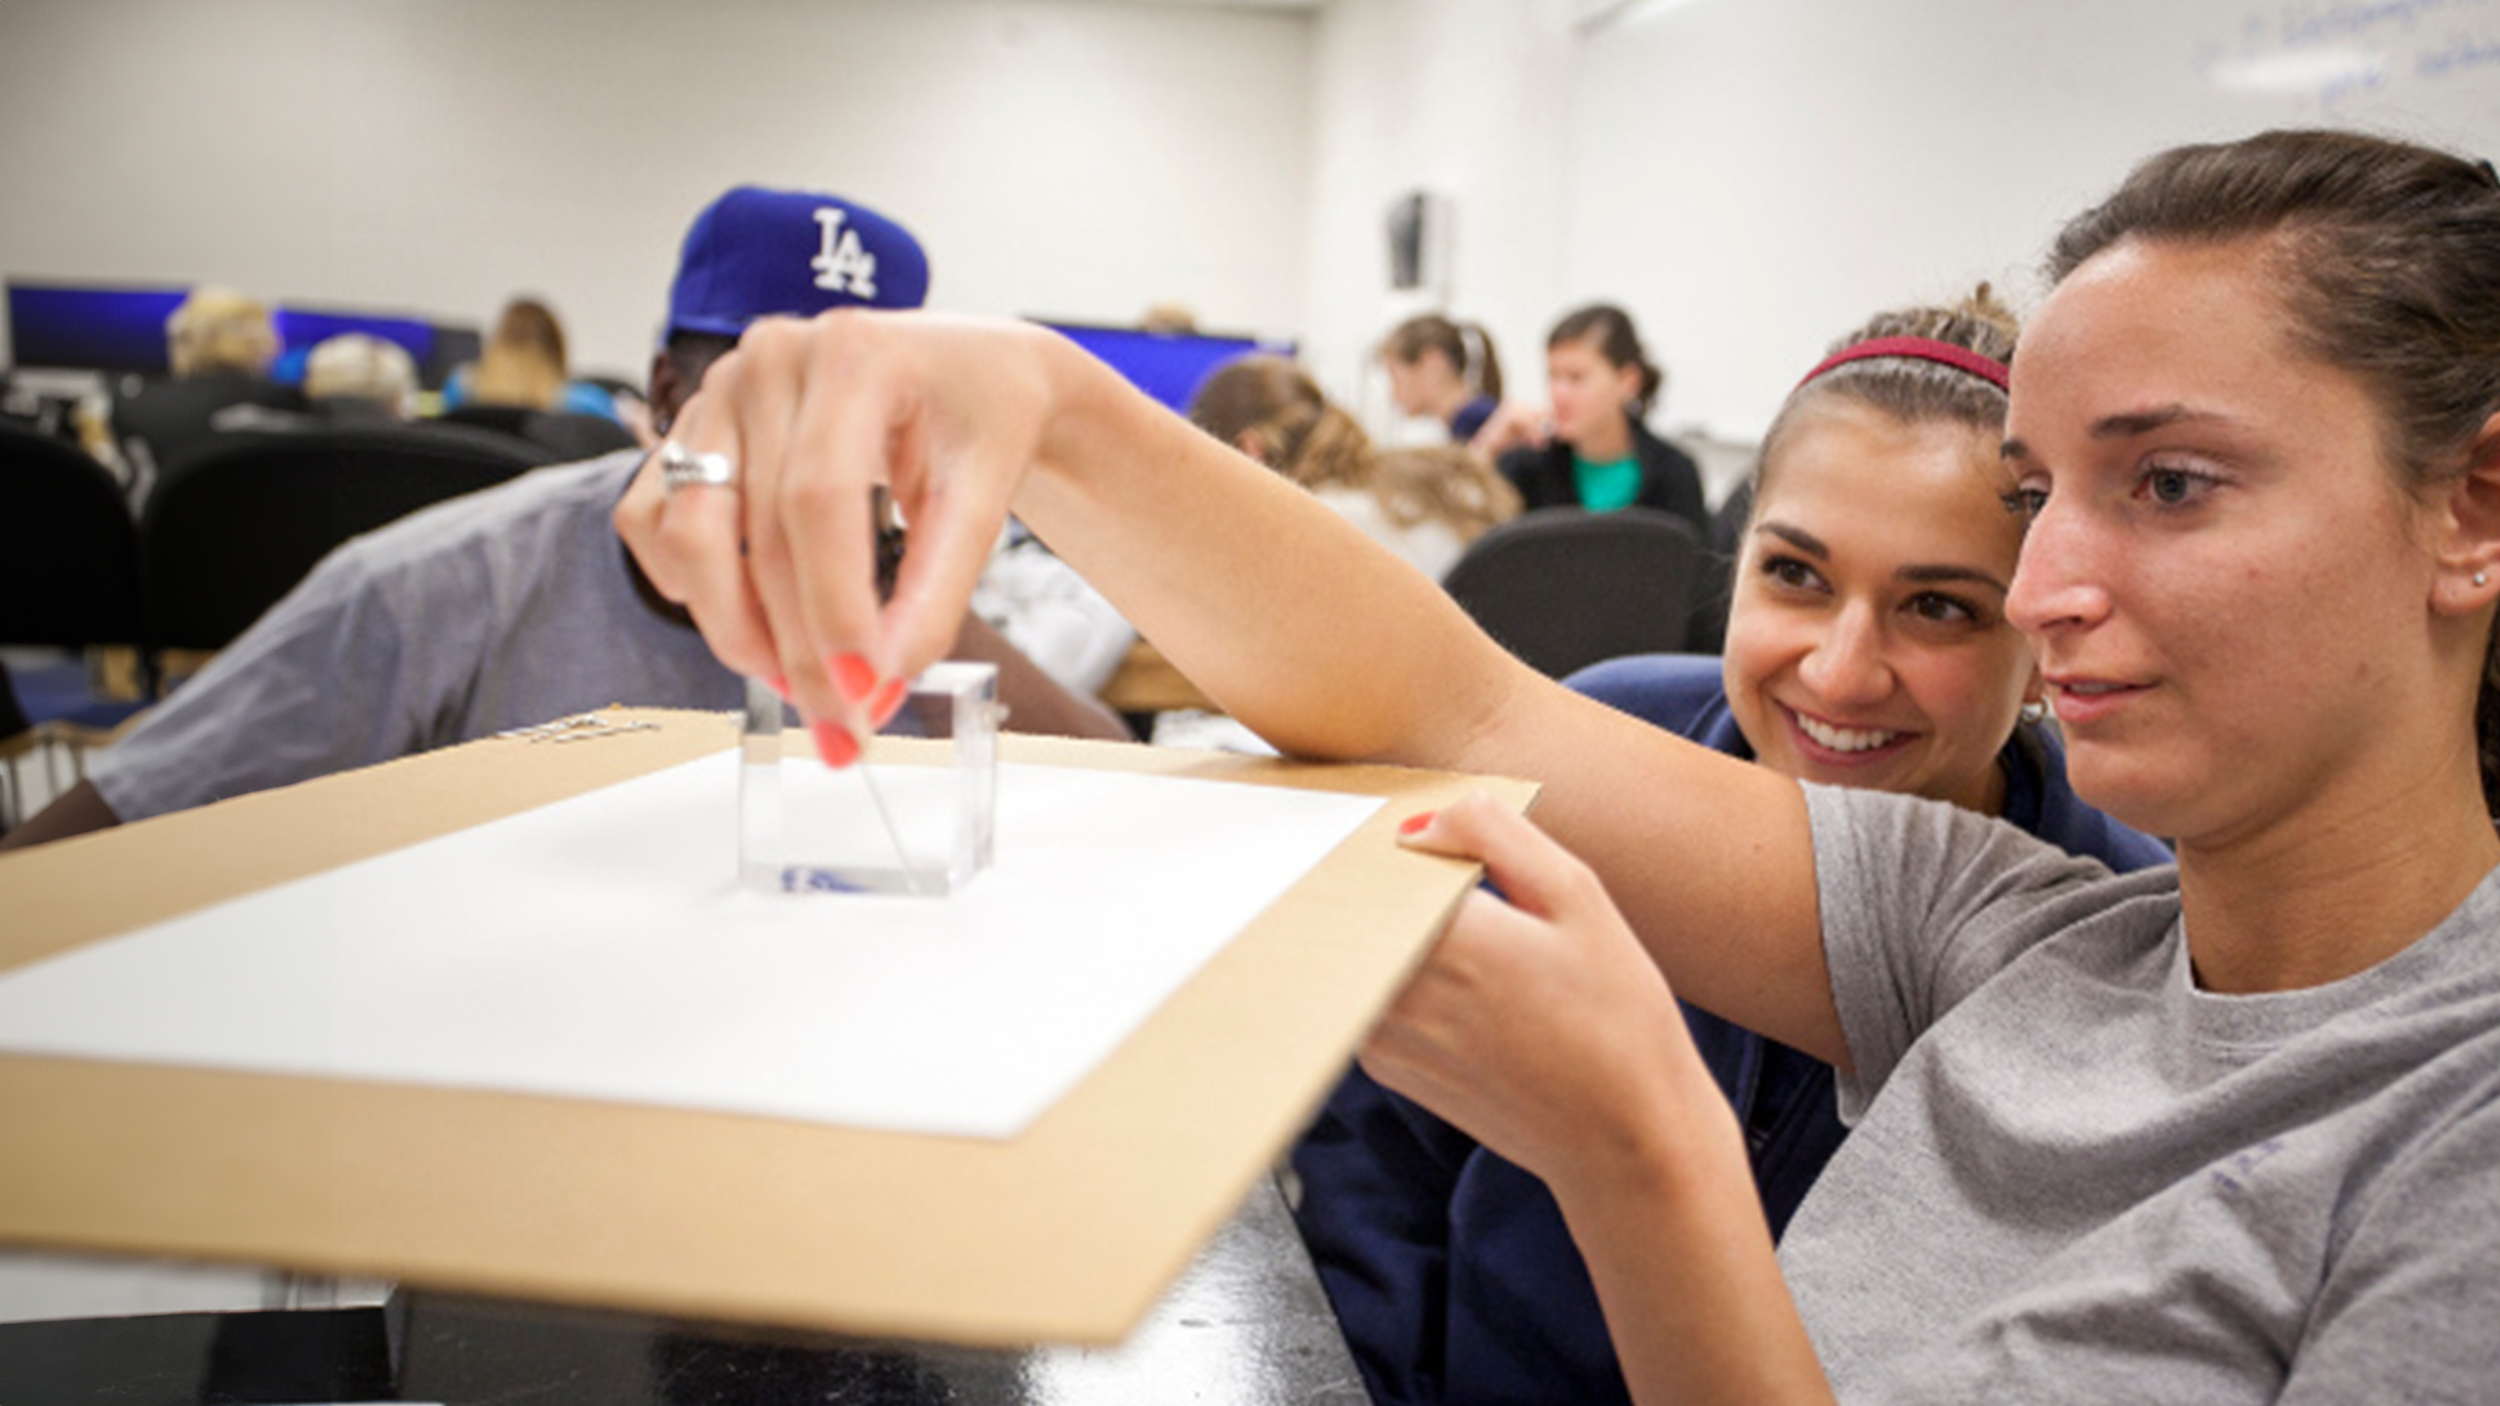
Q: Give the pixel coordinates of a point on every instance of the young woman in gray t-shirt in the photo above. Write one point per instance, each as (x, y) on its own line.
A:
(2222, 1133)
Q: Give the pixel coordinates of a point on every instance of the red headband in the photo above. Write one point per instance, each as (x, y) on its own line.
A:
(1985, 368)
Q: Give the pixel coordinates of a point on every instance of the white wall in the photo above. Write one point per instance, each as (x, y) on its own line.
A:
(1751, 177)
(1803, 163)
(1069, 158)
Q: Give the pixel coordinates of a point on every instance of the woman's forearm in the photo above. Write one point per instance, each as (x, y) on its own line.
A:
(1290, 618)
(1675, 1241)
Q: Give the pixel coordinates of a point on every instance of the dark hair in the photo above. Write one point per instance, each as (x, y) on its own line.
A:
(1911, 390)
(2388, 255)
(691, 354)
(1317, 445)
(1610, 328)
(1466, 345)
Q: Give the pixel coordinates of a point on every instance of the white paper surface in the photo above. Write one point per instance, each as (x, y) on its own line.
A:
(600, 948)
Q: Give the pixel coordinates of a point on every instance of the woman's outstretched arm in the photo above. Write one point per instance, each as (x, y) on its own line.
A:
(1285, 614)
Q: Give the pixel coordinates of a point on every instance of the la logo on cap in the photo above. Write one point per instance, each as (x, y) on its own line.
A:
(842, 262)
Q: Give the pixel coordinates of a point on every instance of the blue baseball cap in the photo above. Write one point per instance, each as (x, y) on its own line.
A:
(755, 253)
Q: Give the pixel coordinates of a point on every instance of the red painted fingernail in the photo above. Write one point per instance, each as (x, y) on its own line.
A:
(887, 701)
(1414, 824)
(781, 686)
(852, 674)
(835, 744)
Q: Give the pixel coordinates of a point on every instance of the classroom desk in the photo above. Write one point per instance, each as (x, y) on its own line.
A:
(1247, 1324)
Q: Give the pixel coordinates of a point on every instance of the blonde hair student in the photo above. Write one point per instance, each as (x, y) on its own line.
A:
(523, 362)
(217, 329)
(1424, 504)
(2221, 1132)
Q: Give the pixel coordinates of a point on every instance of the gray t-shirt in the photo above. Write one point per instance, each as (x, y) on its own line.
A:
(2075, 1177)
(501, 609)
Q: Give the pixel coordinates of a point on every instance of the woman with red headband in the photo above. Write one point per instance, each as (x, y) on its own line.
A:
(1867, 646)
(2216, 1133)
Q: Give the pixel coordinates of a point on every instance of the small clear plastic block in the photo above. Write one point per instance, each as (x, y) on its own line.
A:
(916, 815)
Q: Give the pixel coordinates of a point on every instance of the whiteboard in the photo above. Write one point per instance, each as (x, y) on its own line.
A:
(1753, 177)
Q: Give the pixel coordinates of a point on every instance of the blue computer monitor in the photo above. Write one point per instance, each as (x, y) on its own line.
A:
(116, 330)
(302, 329)
(1169, 366)
(122, 330)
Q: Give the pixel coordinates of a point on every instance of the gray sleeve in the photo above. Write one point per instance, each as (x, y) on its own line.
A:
(1922, 902)
(316, 685)
(2411, 1298)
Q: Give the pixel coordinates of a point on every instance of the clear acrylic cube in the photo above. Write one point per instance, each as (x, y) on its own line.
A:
(916, 814)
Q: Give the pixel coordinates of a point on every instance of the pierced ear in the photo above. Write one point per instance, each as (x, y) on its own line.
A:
(2469, 547)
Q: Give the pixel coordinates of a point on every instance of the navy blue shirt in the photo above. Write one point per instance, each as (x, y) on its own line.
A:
(1471, 417)
(1450, 1269)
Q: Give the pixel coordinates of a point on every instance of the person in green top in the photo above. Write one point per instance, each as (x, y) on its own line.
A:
(1597, 453)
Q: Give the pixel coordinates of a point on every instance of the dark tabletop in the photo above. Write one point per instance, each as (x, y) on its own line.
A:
(1247, 1323)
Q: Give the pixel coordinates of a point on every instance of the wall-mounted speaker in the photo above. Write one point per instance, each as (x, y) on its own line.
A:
(1419, 240)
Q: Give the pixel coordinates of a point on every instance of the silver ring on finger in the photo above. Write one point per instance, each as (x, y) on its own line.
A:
(681, 467)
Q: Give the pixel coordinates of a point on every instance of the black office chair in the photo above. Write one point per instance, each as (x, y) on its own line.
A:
(165, 426)
(69, 579)
(222, 543)
(1716, 590)
(568, 435)
(69, 556)
(1563, 588)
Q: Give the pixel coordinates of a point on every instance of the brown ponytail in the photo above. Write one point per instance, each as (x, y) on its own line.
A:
(1301, 435)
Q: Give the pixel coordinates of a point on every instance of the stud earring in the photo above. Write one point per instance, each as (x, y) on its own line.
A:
(2035, 711)
(2482, 578)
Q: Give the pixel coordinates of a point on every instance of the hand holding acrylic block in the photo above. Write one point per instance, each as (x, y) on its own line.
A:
(915, 816)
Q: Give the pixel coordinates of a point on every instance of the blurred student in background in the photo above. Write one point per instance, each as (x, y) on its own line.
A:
(356, 377)
(1425, 505)
(220, 332)
(1597, 454)
(350, 380)
(219, 344)
(523, 365)
(1444, 369)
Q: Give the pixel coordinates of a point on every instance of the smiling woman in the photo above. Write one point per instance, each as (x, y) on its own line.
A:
(1868, 647)
(1867, 639)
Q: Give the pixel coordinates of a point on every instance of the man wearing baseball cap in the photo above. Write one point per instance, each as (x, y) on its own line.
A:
(754, 253)
(517, 605)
